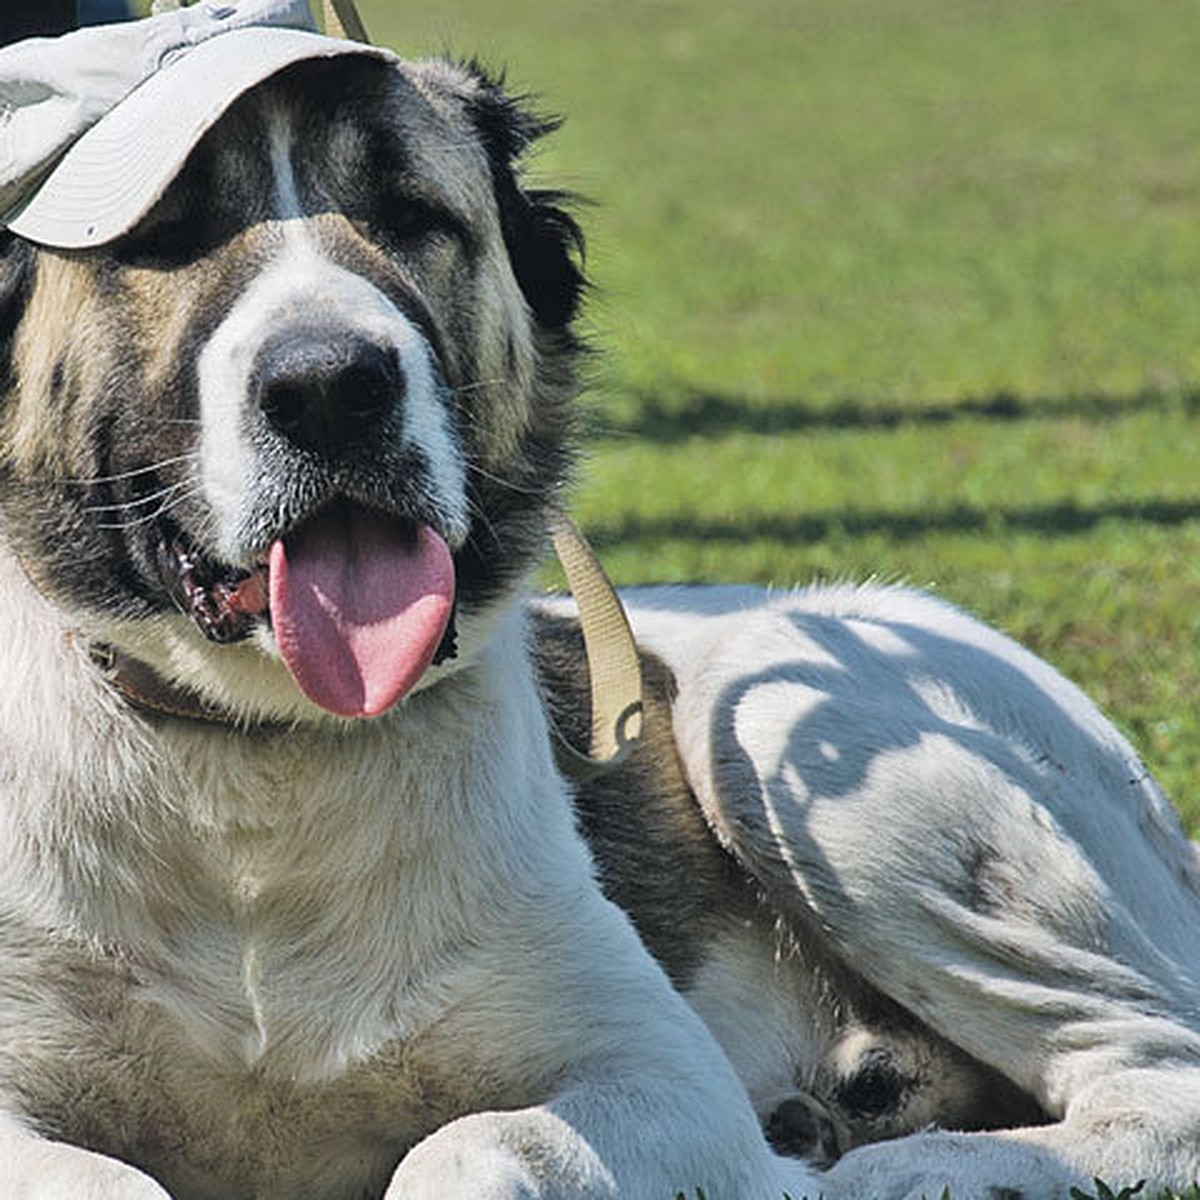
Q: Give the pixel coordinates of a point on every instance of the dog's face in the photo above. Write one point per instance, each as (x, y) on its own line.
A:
(320, 395)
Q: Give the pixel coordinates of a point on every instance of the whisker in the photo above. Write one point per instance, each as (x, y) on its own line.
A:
(486, 523)
(150, 498)
(475, 386)
(164, 507)
(508, 484)
(207, 530)
(190, 456)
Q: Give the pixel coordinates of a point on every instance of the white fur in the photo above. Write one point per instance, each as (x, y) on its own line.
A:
(764, 1009)
(856, 747)
(398, 919)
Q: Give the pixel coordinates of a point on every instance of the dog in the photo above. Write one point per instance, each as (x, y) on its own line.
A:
(879, 905)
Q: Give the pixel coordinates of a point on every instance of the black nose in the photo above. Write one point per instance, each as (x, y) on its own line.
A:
(323, 390)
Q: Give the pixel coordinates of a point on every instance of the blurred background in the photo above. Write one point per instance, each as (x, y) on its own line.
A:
(906, 289)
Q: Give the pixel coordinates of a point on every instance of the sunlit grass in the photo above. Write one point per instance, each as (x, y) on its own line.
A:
(900, 290)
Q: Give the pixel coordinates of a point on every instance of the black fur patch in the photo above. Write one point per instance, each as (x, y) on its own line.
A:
(875, 1088)
(16, 282)
(987, 886)
(656, 857)
(545, 247)
(544, 241)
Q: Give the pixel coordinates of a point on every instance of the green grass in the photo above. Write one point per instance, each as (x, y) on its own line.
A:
(901, 290)
(1103, 1192)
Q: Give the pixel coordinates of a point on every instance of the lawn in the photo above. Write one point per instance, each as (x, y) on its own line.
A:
(896, 290)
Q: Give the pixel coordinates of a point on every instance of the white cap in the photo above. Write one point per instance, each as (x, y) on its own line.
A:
(94, 125)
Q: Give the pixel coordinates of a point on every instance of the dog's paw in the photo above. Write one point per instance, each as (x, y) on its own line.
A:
(968, 1166)
(524, 1155)
(800, 1126)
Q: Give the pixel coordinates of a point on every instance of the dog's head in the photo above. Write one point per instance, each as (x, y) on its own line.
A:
(318, 400)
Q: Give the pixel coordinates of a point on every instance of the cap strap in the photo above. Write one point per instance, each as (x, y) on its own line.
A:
(342, 20)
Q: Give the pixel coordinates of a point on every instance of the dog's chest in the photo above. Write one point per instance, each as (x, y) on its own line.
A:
(237, 1061)
(278, 914)
(244, 1008)
(211, 1131)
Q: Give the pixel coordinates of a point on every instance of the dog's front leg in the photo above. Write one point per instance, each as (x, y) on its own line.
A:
(35, 1168)
(593, 1144)
(503, 1156)
(634, 1097)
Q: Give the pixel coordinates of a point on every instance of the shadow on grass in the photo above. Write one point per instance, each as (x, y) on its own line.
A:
(1054, 519)
(705, 414)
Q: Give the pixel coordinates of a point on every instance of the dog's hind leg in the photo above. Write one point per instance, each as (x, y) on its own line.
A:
(962, 828)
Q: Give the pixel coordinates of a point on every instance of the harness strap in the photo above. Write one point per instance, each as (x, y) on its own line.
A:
(614, 668)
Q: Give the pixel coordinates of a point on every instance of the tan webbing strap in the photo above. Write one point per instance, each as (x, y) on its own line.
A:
(342, 20)
(612, 657)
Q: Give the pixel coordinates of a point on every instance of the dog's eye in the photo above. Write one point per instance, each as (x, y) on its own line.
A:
(411, 219)
(162, 245)
(404, 222)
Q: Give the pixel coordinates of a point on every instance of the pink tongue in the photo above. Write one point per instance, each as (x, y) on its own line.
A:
(359, 608)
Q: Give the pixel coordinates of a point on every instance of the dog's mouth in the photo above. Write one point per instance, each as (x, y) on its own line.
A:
(225, 602)
(360, 602)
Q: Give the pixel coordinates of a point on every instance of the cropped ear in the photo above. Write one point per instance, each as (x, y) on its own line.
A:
(545, 245)
(16, 279)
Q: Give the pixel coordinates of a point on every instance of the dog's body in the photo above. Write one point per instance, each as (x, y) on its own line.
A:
(973, 909)
(903, 872)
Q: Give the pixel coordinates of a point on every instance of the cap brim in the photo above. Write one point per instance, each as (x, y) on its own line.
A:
(113, 174)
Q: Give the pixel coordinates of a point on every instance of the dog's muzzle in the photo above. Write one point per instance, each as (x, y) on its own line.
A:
(324, 391)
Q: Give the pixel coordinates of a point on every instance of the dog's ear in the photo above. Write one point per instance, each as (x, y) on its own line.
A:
(16, 279)
(545, 244)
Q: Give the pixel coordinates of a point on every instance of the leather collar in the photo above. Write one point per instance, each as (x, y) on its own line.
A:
(612, 657)
(143, 689)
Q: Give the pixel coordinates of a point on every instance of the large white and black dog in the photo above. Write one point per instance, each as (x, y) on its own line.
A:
(877, 882)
